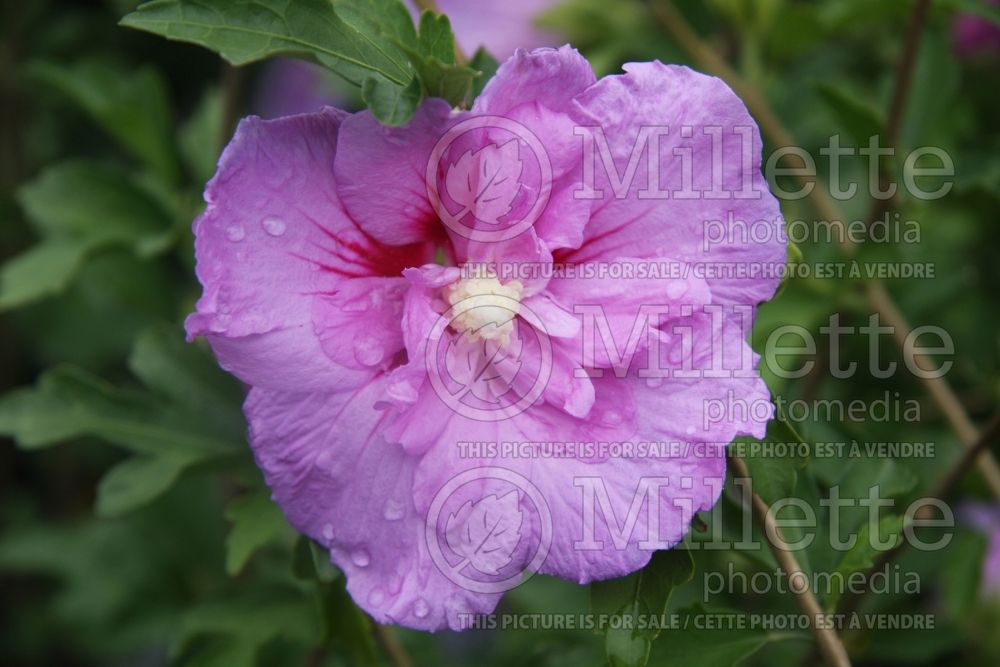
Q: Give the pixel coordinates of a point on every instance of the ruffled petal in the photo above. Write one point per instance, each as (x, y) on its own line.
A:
(690, 225)
(382, 173)
(273, 236)
(339, 482)
(551, 77)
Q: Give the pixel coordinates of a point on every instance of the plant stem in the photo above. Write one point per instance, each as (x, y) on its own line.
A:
(830, 645)
(397, 654)
(878, 297)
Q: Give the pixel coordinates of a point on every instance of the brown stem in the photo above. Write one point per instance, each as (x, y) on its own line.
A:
(819, 196)
(397, 654)
(850, 602)
(830, 645)
(904, 75)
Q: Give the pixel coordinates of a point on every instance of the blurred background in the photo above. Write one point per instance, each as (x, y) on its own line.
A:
(134, 527)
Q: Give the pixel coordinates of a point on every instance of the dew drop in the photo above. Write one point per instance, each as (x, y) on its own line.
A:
(676, 355)
(612, 417)
(377, 597)
(421, 608)
(689, 430)
(273, 226)
(356, 305)
(328, 532)
(235, 232)
(394, 510)
(676, 289)
(367, 351)
(360, 558)
(654, 382)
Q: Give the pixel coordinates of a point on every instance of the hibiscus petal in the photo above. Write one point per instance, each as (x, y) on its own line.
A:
(339, 482)
(381, 173)
(685, 104)
(273, 235)
(359, 326)
(551, 77)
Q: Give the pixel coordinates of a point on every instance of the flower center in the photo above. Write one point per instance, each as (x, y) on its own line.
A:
(483, 308)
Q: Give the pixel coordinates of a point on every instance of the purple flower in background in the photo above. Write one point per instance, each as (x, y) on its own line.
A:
(501, 27)
(499, 341)
(973, 35)
(289, 86)
(986, 519)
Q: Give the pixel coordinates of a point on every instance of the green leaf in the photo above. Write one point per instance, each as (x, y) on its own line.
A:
(857, 118)
(251, 620)
(130, 104)
(639, 596)
(391, 104)
(80, 207)
(347, 627)
(201, 138)
(774, 477)
(188, 377)
(69, 402)
(354, 38)
(436, 39)
(486, 65)
(716, 644)
(961, 579)
(312, 561)
(861, 556)
(257, 521)
(135, 482)
(433, 57)
(931, 102)
(46, 269)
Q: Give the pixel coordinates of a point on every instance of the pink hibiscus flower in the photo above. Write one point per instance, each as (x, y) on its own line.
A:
(477, 352)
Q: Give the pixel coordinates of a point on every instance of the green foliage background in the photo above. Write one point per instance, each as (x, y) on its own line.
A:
(134, 527)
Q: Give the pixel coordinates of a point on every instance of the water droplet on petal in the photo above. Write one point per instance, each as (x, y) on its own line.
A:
(328, 532)
(676, 289)
(654, 382)
(273, 226)
(394, 510)
(367, 351)
(376, 597)
(421, 608)
(235, 232)
(689, 430)
(360, 558)
(612, 418)
(356, 305)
